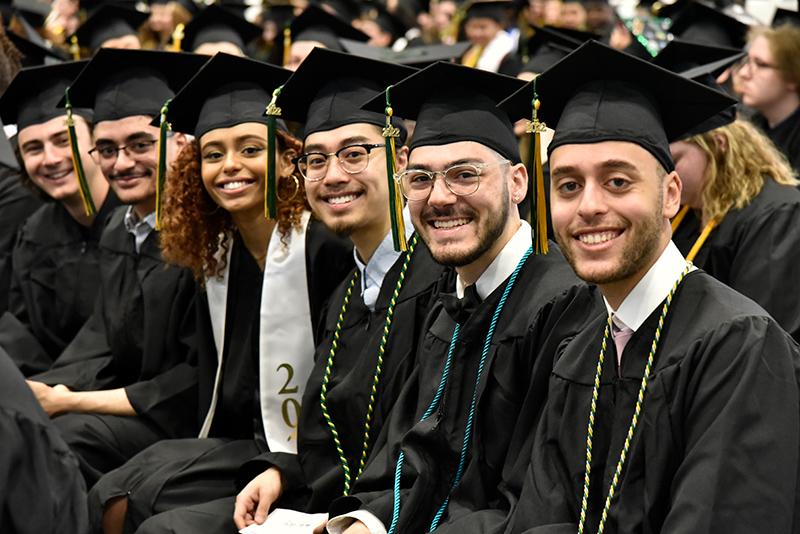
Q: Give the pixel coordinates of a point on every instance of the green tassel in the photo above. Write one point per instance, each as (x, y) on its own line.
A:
(395, 198)
(77, 164)
(536, 181)
(270, 185)
(164, 127)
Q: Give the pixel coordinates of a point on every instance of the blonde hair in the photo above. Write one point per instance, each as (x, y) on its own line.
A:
(784, 43)
(740, 157)
(151, 40)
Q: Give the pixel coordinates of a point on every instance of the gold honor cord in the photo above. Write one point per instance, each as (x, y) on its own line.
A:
(177, 37)
(161, 175)
(77, 164)
(538, 216)
(676, 222)
(270, 184)
(395, 198)
(637, 411)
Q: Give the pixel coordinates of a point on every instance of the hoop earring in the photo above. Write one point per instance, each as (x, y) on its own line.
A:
(215, 210)
(296, 189)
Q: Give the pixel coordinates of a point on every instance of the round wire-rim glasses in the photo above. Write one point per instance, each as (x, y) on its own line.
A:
(461, 180)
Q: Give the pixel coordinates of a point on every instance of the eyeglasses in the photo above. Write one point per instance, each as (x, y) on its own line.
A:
(755, 64)
(107, 154)
(353, 159)
(461, 180)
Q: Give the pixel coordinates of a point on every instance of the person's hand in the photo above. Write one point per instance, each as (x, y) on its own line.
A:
(52, 399)
(255, 500)
(320, 529)
(620, 37)
(356, 528)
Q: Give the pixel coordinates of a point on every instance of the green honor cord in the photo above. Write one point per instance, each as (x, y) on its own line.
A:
(83, 185)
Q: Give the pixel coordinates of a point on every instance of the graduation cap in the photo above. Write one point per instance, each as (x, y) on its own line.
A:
(35, 49)
(785, 16)
(702, 64)
(123, 83)
(32, 11)
(227, 91)
(547, 46)
(346, 9)
(705, 25)
(108, 22)
(327, 92)
(414, 56)
(599, 94)
(189, 5)
(387, 21)
(34, 93)
(218, 25)
(453, 103)
(7, 156)
(485, 9)
(317, 25)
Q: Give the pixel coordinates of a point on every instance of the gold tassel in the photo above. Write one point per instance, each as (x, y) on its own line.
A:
(161, 176)
(83, 185)
(538, 206)
(177, 37)
(75, 48)
(287, 43)
(395, 198)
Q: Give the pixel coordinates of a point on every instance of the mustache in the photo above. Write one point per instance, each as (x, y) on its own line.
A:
(432, 212)
(130, 173)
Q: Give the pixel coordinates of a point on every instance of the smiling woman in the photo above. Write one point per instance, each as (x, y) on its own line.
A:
(261, 286)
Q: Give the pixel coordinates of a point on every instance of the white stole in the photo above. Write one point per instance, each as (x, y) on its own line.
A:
(286, 342)
(495, 51)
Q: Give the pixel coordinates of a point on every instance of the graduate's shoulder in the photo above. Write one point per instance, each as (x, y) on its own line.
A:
(702, 295)
(47, 225)
(545, 277)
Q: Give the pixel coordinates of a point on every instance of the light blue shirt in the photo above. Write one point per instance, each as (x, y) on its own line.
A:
(139, 228)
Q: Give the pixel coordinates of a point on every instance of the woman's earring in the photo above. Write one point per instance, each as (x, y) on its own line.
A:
(296, 189)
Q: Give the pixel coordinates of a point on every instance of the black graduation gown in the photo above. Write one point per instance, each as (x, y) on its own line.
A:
(785, 135)
(511, 373)
(756, 251)
(55, 267)
(716, 446)
(142, 317)
(42, 488)
(16, 205)
(178, 473)
(315, 474)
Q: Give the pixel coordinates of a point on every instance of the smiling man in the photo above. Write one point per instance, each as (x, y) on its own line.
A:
(457, 427)
(55, 261)
(127, 360)
(689, 389)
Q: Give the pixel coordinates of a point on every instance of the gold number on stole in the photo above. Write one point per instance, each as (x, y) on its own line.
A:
(290, 405)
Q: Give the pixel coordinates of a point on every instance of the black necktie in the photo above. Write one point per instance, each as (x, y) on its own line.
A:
(461, 309)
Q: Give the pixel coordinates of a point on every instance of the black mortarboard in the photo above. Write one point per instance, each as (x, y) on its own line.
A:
(486, 9)
(546, 47)
(705, 25)
(189, 5)
(453, 103)
(346, 9)
(316, 24)
(7, 156)
(329, 87)
(387, 21)
(35, 50)
(598, 94)
(414, 56)
(702, 64)
(785, 16)
(108, 22)
(227, 91)
(218, 25)
(33, 11)
(34, 93)
(123, 83)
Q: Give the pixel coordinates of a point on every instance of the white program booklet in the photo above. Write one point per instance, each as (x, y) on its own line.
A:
(282, 521)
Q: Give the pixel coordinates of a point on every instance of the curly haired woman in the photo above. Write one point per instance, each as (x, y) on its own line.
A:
(740, 216)
(262, 286)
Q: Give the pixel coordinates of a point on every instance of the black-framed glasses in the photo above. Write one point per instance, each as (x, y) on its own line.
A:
(352, 158)
(107, 154)
(755, 64)
(461, 180)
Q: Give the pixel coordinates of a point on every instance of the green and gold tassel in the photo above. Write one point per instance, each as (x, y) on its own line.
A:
(270, 185)
(164, 128)
(177, 37)
(287, 43)
(395, 198)
(538, 205)
(86, 193)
